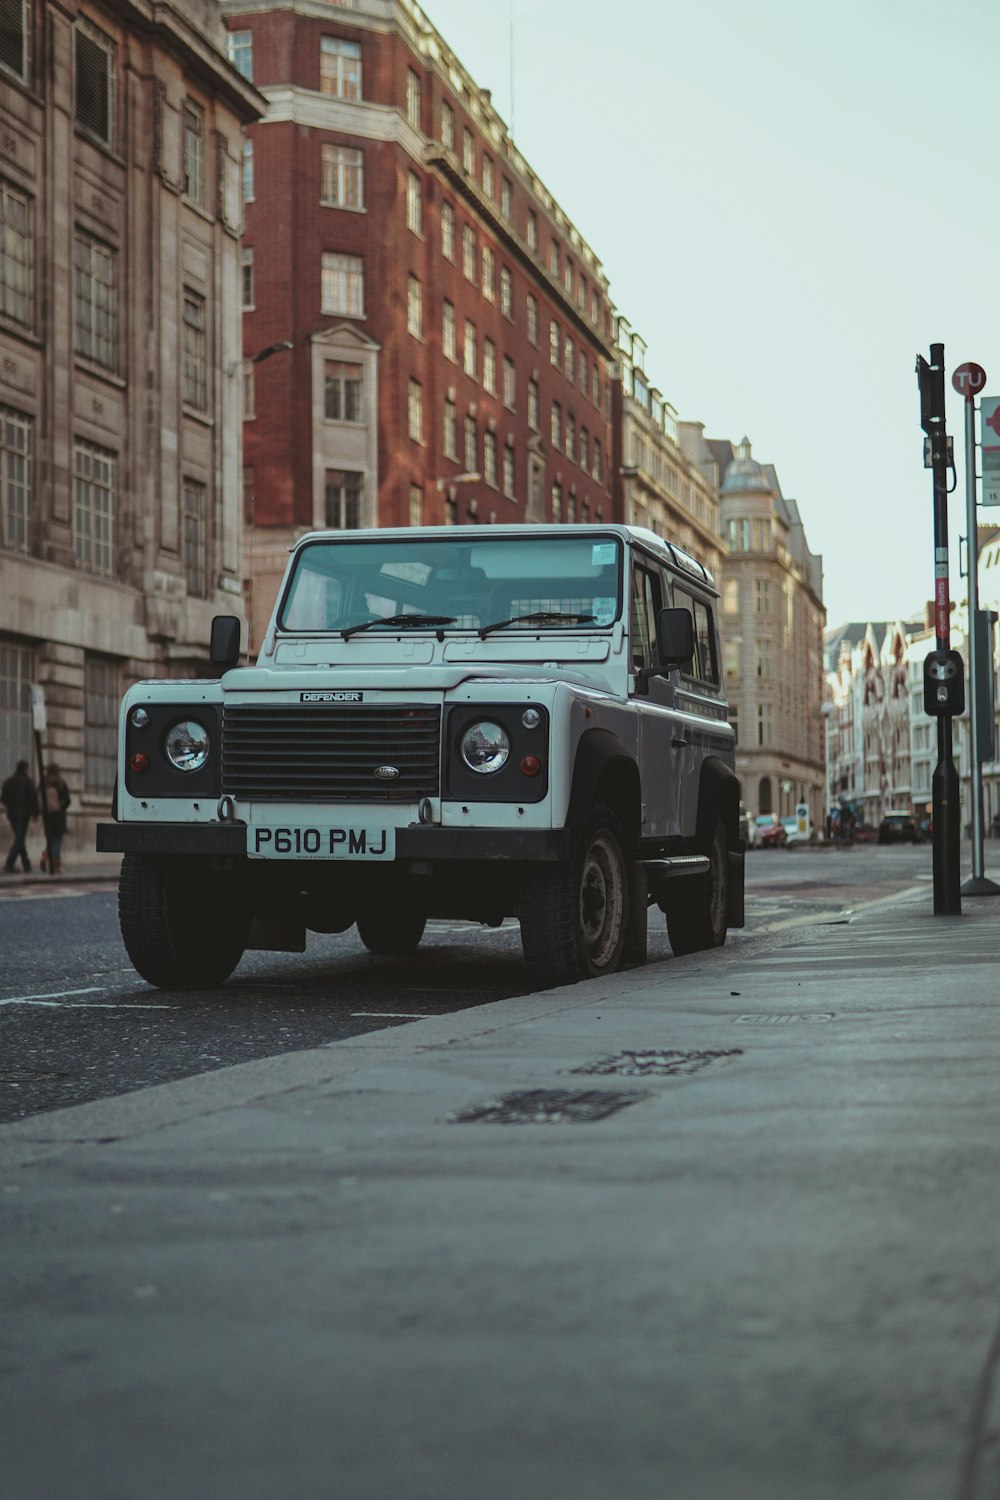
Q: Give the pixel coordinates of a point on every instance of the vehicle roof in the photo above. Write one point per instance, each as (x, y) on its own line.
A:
(668, 552)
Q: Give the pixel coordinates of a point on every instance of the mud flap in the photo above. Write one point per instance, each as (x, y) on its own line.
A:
(735, 916)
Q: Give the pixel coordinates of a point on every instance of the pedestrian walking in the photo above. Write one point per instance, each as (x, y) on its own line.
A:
(53, 794)
(20, 802)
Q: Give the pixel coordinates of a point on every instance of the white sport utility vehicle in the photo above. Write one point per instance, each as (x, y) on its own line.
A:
(449, 722)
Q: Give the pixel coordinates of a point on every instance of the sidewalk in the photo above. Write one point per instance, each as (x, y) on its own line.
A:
(772, 1274)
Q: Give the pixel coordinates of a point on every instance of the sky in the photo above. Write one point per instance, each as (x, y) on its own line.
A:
(790, 201)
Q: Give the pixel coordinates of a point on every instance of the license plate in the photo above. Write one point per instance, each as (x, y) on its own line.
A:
(269, 842)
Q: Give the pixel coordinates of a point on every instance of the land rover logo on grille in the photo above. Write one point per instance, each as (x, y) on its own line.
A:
(386, 773)
(332, 697)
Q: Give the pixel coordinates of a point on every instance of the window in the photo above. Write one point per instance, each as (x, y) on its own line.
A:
(582, 364)
(341, 391)
(449, 343)
(94, 301)
(415, 411)
(94, 60)
(468, 150)
(557, 497)
(595, 385)
(554, 257)
(471, 446)
(532, 320)
(448, 232)
(342, 176)
(509, 469)
(414, 204)
(93, 508)
(762, 535)
(554, 344)
(246, 265)
(731, 596)
(470, 353)
(195, 538)
(765, 660)
(533, 404)
(509, 383)
(17, 673)
(100, 725)
(413, 98)
(489, 274)
(17, 255)
(704, 664)
(194, 372)
(569, 355)
(343, 500)
(342, 288)
(490, 459)
(339, 67)
(448, 126)
(596, 470)
(15, 480)
(248, 171)
(532, 229)
(570, 435)
(490, 366)
(506, 292)
(469, 253)
(506, 197)
(731, 658)
(765, 725)
(239, 46)
(489, 185)
(194, 152)
(14, 41)
(414, 307)
(646, 604)
(584, 451)
(762, 596)
(450, 430)
(555, 426)
(450, 510)
(249, 391)
(738, 534)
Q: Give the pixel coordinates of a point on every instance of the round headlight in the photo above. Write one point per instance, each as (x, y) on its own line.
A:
(485, 747)
(187, 745)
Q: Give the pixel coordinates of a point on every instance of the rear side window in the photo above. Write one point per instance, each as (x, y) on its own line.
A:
(705, 665)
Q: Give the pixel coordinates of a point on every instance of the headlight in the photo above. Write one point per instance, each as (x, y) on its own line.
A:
(485, 747)
(186, 745)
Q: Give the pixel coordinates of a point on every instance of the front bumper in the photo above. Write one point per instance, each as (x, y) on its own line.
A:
(472, 845)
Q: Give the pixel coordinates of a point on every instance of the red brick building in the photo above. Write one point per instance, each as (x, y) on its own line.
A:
(450, 330)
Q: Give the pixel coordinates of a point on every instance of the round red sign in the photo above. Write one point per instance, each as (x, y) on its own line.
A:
(969, 379)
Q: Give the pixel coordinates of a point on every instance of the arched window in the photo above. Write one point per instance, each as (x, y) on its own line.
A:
(765, 795)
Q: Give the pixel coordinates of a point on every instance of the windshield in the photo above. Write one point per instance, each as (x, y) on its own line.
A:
(534, 583)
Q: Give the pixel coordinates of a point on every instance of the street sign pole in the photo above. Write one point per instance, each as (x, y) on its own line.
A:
(969, 380)
(944, 783)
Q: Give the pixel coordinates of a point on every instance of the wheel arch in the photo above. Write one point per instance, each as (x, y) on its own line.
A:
(605, 772)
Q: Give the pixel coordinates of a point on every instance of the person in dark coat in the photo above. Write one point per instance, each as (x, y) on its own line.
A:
(53, 795)
(20, 802)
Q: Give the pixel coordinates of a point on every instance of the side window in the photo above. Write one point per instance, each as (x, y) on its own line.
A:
(646, 602)
(704, 666)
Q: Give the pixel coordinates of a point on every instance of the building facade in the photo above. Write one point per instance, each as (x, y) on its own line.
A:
(443, 331)
(120, 219)
(773, 619)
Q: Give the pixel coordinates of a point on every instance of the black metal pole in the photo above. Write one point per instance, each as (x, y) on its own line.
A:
(42, 809)
(945, 794)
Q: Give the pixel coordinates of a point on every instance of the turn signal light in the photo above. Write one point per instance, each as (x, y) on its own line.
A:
(138, 762)
(530, 765)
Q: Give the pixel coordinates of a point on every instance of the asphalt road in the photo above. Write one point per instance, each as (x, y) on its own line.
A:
(76, 1023)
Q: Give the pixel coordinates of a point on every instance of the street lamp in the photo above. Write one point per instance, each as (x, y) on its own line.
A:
(826, 709)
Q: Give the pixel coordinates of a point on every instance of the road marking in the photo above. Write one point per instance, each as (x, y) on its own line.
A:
(93, 989)
(399, 1015)
(57, 999)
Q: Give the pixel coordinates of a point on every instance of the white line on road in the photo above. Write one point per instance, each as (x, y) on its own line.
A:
(57, 998)
(93, 989)
(399, 1015)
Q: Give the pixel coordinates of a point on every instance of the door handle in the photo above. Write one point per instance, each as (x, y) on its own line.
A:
(679, 742)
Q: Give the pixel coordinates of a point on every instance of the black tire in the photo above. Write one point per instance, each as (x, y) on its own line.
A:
(392, 932)
(575, 916)
(183, 928)
(696, 909)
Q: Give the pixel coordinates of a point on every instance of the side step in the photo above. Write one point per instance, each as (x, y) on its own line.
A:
(677, 864)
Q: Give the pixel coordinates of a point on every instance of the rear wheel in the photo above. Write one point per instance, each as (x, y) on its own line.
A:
(184, 927)
(392, 932)
(575, 916)
(696, 911)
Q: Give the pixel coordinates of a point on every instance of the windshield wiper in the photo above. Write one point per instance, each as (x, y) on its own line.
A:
(540, 617)
(404, 621)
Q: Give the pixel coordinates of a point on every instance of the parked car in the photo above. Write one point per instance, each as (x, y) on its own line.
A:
(771, 832)
(898, 828)
(794, 832)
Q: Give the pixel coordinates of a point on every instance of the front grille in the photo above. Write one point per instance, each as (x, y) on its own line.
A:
(330, 752)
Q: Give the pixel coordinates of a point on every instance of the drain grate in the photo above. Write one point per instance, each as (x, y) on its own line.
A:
(650, 1063)
(547, 1107)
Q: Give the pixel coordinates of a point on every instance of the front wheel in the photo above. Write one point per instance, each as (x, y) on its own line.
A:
(696, 912)
(184, 928)
(575, 916)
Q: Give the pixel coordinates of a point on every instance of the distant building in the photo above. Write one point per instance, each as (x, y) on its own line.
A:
(773, 618)
(450, 327)
(120, 444)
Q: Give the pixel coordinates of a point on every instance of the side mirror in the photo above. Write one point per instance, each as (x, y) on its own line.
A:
(675, 638)
(225, 643)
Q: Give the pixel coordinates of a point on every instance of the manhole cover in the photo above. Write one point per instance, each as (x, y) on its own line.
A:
(27, 1075)
(547, 1107)
(650, 1063)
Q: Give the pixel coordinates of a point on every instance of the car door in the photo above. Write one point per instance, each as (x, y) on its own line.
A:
(701, 716)
(653, 698)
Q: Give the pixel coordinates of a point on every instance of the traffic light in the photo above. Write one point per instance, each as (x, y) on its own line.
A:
(944, 684)
(930, 379)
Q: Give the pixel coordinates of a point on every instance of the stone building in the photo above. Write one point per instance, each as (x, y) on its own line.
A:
(773, 618)
(443, 330)
(120, 443)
